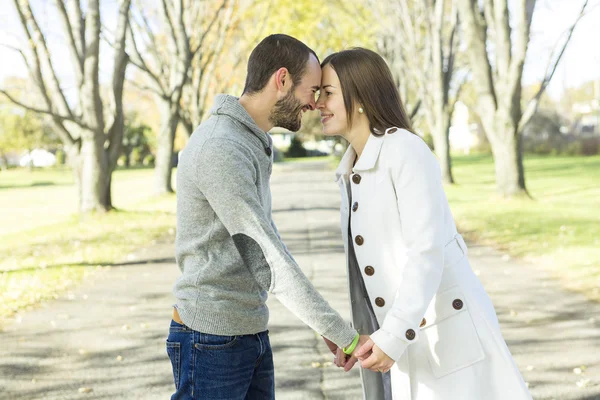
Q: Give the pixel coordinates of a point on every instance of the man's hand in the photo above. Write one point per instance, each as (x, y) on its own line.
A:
(332, 346)
(373, 358)
(348, 361)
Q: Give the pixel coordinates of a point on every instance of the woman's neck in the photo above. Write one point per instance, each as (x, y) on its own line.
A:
(358, 140)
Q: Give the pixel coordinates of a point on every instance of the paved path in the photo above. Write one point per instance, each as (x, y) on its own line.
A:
(105, 339)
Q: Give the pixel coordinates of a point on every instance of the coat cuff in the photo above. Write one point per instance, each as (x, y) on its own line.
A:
(394, 344)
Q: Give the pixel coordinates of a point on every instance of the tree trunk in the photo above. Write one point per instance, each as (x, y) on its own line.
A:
(94, 174)
(188, 127)
(441, 142)
(510, 177)
(169, 118)
(3, 162)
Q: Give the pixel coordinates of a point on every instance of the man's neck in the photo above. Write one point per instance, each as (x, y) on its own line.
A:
(259, 109)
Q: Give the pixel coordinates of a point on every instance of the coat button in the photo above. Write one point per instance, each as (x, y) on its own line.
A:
(393, 130)
(355, 206)
(410, 334)
(380, 302)
(457, 304)
(268, 151)
(423, 323)
(356, 178)
(359, 240)
(369, 270)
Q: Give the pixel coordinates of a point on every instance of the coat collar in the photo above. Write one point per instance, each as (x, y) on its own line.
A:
(367, 160)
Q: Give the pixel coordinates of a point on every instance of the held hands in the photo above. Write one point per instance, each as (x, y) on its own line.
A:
(369, 354)
(373, 358)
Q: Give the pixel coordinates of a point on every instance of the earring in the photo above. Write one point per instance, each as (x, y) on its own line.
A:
(360, 110)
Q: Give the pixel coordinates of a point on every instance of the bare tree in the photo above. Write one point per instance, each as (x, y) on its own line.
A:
(497, 46)
(167, 66)
(419, 41)
(202, 72)
(92, 129)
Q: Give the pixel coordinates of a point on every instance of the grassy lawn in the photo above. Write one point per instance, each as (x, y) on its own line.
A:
(59, 249)
(559, 229)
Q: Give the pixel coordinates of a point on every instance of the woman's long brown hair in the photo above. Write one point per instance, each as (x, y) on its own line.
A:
(367, 80)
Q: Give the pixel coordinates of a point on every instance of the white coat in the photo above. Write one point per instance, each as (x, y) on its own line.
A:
(436, 320)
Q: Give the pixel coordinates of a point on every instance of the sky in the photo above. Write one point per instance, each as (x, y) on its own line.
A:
(552, 18)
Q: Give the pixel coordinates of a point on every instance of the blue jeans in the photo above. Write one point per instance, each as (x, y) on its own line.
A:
(212, 367)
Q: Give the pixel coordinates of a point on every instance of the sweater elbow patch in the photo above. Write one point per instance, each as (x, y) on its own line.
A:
(254, 258)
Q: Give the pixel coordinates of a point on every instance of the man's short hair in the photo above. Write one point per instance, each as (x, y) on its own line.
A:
(274, 52)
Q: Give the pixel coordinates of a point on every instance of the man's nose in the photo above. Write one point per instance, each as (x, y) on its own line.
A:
(319, 104)
(312, 104)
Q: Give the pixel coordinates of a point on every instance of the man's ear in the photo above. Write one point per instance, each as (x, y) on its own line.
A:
(283, 79)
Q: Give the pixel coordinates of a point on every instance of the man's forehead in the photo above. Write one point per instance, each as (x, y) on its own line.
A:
(312, 76)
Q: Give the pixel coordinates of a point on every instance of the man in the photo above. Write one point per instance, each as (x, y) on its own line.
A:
(228, 248)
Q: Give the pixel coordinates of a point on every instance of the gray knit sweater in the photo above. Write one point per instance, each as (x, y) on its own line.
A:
(227, 247)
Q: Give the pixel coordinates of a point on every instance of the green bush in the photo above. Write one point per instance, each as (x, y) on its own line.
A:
(148, 160)
(296, 149)
(136, 156)
(590, 146)
(60, 157)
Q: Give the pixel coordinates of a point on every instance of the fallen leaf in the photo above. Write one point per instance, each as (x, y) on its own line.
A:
(583, 383)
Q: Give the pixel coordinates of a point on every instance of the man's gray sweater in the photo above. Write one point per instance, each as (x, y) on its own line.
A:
(227, 247)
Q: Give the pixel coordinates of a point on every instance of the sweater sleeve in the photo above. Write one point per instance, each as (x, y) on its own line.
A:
(420, 199)
(226, 175)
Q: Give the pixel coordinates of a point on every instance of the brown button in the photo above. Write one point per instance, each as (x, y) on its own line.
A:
(423, 323)
(457, 304)
(410, 334)
(355, 206)
(359, 240)
(393, 130)
(356, 178)
(369, 270)
(380, 302)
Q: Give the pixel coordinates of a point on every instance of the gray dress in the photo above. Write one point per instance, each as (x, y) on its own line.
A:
(376, 386)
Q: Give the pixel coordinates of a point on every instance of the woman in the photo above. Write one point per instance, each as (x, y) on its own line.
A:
(433, 326)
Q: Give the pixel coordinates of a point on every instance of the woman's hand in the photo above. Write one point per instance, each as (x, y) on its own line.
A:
(377, 361)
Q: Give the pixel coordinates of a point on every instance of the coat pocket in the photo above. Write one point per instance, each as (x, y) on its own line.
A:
(448, 334)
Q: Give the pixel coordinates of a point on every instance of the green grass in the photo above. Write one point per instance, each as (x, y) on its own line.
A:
(559, 228)
(60, 249)
(32, 199)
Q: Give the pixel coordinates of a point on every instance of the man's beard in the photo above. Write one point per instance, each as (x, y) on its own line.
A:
(286, 113)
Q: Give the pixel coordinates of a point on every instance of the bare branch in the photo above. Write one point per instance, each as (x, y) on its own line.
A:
(38, 45)
(115, 131)
(153, 46)
(78, 24)
(533, 104)
(145, 88)
(475, 36)
(76, 56)
(22, 55)
(53, 114)
(210, 25)
(167, 16)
